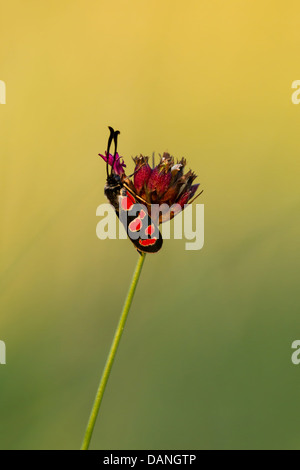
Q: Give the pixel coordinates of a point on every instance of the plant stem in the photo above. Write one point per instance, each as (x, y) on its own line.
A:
(112, 354)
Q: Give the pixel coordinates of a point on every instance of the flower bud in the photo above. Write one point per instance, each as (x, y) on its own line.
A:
(142, 173)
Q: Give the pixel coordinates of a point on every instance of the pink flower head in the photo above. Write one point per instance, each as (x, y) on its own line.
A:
(118, 165)
(165, 184)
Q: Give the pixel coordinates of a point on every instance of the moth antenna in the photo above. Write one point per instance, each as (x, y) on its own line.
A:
(112, 132)
(153, 159)
(116, 133)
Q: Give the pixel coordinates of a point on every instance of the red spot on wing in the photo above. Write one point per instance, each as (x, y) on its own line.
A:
(127, 202)
(149, 242)
(130, 197)
(150, 230)
(142, 214)
(135, 225)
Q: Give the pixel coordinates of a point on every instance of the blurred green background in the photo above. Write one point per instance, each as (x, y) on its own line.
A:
(205, 361)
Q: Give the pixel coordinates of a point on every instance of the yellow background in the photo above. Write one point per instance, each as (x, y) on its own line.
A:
(205, 360)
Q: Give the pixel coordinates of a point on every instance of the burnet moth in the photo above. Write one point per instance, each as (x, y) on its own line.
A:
(129, 206)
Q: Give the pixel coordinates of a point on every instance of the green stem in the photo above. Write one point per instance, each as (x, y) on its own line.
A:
(112, 354)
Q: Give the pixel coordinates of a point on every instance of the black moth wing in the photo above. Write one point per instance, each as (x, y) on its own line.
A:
(140, 228)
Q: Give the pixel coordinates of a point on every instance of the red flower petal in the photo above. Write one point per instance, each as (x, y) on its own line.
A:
(141, 176)
(159, 180)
